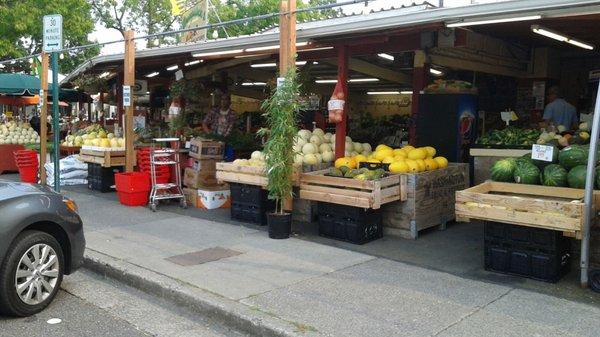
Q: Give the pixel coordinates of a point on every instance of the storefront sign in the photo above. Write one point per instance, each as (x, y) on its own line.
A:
(542, 152)
(126, 95)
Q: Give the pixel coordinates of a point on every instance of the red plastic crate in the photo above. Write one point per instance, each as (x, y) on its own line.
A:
(132, 182)
(133, 198)
(29, 174)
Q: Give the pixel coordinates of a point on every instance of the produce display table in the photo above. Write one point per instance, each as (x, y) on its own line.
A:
(483, 159)
(104, 158)
(351, 192)
(555, 208)
(430, 201)
(7, 164)
(69, 150)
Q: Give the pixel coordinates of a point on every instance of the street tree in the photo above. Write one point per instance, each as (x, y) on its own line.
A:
(21, 31)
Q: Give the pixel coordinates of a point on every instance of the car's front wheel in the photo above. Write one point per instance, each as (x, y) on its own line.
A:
(31, 274)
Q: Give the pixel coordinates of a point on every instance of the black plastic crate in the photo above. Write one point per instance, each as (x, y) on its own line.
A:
(525, 237)
(102, 178)
(547, 266)
(248, 193)
(250, 212)
(347, 223)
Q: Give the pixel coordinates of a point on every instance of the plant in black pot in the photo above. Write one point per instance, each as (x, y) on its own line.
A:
(281, 110)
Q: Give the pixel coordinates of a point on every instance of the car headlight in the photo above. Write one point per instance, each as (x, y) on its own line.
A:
(71, 205)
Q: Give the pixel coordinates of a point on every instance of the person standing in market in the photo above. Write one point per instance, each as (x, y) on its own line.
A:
(220, 121)
(558, 111)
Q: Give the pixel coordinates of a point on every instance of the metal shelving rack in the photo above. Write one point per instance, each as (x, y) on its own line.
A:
(172, 189)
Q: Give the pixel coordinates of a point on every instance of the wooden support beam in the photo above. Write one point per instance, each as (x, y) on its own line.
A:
(44, 117)
(370, 69)
(129, 80)
(212, 68)
(456, 63)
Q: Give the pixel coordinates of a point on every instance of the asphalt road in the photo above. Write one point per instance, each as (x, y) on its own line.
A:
(78, 318)
(92, 306)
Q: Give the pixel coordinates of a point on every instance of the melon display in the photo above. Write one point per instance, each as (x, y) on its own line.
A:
(526, 173)
(554, 175)
(573, 156)
(503, 170)
(576, 176)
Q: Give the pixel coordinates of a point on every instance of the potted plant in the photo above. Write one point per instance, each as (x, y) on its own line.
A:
(281, 111)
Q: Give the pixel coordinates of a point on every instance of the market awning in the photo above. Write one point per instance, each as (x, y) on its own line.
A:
(19, 84)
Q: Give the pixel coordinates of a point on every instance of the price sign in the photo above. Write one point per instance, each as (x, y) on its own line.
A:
(542, 152)
(41, 101)
(280, 81)
(126, 95)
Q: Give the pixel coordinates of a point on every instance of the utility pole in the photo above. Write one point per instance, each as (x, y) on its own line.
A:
(43, 116)
(287, 36)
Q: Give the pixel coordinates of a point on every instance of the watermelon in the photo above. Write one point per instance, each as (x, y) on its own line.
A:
(503, 170)
(573, 156)
(576, 176)
(554, 175)
(526, 173)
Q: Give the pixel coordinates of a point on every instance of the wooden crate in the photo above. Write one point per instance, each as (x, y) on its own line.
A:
(430, 201)
(104, 158)
(345, 191)
(556, 208)
(250, 175)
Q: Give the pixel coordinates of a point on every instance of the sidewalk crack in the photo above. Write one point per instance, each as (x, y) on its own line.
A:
(473, 312)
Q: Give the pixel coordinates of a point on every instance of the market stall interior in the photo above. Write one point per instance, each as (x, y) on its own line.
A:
(448, 87)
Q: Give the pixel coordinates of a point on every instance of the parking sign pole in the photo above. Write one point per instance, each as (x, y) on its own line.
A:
(55, 121)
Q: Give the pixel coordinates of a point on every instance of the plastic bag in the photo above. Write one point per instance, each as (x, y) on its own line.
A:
(336, 104)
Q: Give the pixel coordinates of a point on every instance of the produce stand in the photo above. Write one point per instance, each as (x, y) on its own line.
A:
(249, 175)
(555, 208)
(102, 157)
(8, 164)
(429, 203)
(484, 158)
(350, 192)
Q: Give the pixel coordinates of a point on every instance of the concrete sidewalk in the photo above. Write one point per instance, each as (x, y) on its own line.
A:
(299, 288)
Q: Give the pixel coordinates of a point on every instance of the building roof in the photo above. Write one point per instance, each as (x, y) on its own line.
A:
(411, 16)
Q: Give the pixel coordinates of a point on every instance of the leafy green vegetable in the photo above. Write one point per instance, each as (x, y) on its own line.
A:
(510, 136)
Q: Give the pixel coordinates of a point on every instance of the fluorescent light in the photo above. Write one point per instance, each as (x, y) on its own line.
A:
(383, 93)
(543, 31)
(300, 63)
(173, 67)
(359, 80)
(325, 81)
(580, 44)
(315, 62)
(435, 72)
(191, 63)
(254, 84)
(386, 56)
(262, 48)
(263, 65)
(560, 37)
(406, 92)
(152, 74)
(315, 49)
(218, 53)
(490, 21)
(104, 74)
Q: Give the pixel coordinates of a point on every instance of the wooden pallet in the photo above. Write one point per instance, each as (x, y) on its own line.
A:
(345, 191)
(104, 158)
(555, 208)
(250, 175)
(430, 201)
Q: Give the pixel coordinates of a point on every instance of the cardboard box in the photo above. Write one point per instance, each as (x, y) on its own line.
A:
(191, 196)
(195, 179)
(205, 165)
(214, 197)
(201, 148)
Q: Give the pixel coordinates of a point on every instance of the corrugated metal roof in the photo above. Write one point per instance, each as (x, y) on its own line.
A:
(376, 21)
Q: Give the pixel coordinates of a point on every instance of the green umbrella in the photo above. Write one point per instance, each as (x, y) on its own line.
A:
(19, 84)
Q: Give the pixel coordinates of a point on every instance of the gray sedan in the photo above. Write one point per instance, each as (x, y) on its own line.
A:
(41, 239)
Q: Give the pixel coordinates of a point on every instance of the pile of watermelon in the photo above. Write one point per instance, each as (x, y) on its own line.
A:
(567, 169)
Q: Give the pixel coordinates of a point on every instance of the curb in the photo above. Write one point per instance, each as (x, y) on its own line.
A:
(226, 311)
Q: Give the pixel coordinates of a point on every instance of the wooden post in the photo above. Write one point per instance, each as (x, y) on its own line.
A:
(420, 78)
(340, 128)
(129, 79)
(119, 98)
(44, 118)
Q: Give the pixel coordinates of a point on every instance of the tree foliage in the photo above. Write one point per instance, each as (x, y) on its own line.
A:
(143, 16)
(21, 30)
(228, 10)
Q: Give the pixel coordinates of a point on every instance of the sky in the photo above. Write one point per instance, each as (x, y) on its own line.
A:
(101, 34)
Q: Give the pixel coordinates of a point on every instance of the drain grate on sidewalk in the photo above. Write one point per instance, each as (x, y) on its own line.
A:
(202, 256)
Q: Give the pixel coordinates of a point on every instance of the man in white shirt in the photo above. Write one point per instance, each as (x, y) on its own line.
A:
(559, 111)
